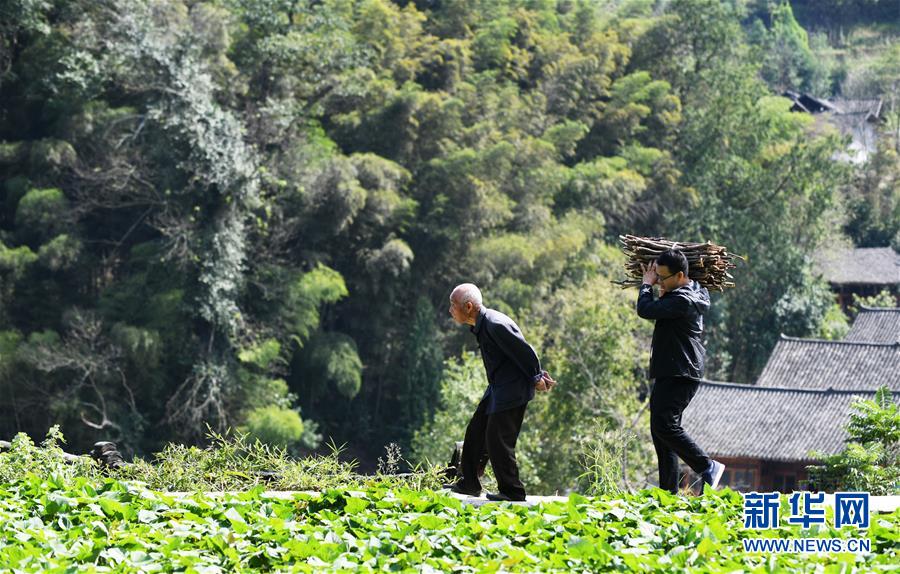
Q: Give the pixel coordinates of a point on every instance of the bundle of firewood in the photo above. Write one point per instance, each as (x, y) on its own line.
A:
(708, 263)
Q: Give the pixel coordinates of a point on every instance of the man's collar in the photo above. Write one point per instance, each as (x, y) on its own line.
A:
(478, 321)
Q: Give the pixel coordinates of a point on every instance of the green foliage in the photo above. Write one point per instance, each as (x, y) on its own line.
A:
(802, 310)
(141, 345)
(269, 416)
(884, 299)
(15, 260)
(874, 200)
(389, 262)
(41, 213)
(753, 161)
(274, 426)
(844, 13)
(230, 461)
(602, 457)
(343, 367)
(10, 152)
(332, 360)
(421, 370)
(320, 286)
(834, 324)
(876, 420)
(692, 37)
(462, 384)
(25, 16)
(640, 110)
(788, 61)
(871, 460)
(262, 391)
(235, 462)
(124, 525)
(261, 355)
(565, 137)
(9, 343)
(48, 460)
(600, 363)
(51, 155)
(606, 184)
(61, 252)
(336, 197)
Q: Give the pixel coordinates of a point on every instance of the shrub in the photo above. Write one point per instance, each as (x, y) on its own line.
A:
(275, 426)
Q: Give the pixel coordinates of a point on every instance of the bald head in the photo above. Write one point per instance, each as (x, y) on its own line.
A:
(467, 292)
(465, 302)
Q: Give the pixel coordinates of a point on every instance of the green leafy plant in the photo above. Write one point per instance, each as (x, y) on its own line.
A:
(871, 460)
(123, 526)
(23, 457)
(883, 299)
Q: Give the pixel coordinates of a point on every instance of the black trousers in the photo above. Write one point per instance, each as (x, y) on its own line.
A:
(493, 437)
(670, 396)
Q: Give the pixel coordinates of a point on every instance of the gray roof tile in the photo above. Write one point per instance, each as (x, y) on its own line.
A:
(864, 107)
(843, 365)
(738, 421)
(876, 325)
(860, 266)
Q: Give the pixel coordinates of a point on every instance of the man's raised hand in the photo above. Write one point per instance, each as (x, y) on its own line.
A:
(650, 275)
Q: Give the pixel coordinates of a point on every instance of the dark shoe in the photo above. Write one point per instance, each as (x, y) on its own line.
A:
(713, 474)
(458, 489)
(500, 497)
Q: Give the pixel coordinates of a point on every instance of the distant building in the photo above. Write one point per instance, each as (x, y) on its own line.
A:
(863, 271)
(808, 104)
(843, 365)
(859, 119)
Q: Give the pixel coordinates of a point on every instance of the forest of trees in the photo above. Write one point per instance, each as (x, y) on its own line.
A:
(249, 214)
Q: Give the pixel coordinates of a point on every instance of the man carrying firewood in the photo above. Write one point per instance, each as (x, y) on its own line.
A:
(677, 359)
(514, 373)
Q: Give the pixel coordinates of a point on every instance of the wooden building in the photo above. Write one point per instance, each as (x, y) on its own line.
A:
(766, 434)
(863, 271)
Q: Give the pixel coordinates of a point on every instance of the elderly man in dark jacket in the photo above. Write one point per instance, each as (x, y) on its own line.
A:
(513, 373)
(676, 364)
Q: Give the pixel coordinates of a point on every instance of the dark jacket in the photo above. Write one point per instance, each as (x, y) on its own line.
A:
(677, 348)
(511, 364)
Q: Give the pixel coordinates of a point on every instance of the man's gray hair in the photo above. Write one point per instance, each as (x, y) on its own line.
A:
(468, 292)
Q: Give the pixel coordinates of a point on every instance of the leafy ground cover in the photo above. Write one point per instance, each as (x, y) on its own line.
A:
(67, 525)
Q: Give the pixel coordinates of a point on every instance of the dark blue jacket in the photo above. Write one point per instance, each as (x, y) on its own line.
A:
(677, 349)
(512, 366)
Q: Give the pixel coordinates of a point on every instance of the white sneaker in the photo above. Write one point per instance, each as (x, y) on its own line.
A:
(713, 474)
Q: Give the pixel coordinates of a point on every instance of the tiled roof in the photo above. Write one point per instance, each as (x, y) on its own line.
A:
(748, 421)
(876, 325)
(809, 104)
(865, 107)
(860, 266)
(842, 365)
